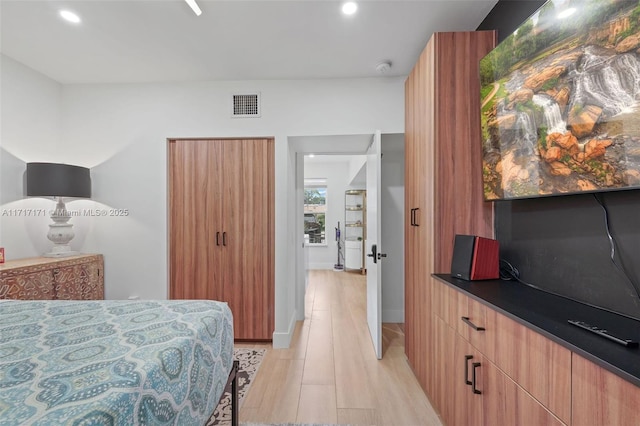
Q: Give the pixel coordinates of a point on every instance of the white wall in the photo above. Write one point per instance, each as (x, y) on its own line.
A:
(337, 175)
(393, 228)
(121, 131)
(30, 116)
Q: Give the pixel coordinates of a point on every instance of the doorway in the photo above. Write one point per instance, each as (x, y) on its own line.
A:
(392, 209)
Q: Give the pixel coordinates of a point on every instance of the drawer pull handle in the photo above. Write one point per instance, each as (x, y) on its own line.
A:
(466, 369)
(472, 325)
(473, 379)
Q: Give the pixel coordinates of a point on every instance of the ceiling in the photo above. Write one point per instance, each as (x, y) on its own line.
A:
(129, 41)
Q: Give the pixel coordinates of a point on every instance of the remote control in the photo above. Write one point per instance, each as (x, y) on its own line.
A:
(604, 333)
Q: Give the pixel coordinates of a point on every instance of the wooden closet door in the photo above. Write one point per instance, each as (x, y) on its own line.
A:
(248, 213)
(195, 216)
(412, 304)
(444, 177)
(221, 219)
(418, 192)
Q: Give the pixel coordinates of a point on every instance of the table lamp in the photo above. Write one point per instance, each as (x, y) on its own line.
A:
(59, 181)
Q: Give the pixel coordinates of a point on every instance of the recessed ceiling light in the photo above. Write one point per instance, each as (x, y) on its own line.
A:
(311, 155)
(70, 16)
(566, 13)
(349, 8)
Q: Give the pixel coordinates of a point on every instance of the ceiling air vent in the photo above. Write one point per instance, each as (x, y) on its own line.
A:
(245, 105)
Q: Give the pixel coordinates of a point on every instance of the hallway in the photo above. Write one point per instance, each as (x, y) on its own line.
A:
(330, 373)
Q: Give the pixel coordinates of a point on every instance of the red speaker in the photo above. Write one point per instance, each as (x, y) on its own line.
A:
(475, 258)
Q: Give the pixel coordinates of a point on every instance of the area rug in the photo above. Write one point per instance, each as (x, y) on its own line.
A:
(250, 360)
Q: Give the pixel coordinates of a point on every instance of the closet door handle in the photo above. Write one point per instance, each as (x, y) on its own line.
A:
(224, 238)
(467, 321)
(415, 217)
(217, 238)
(466, 369)
(473, 374)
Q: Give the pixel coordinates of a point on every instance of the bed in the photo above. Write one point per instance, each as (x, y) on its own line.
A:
(113, 362)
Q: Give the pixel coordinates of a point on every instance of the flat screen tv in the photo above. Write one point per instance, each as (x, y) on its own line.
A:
(560, 102)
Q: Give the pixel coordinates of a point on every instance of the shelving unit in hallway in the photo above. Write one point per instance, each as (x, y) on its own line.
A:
(355, 228)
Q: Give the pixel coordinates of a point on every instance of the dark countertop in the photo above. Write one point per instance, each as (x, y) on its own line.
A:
(548, 314)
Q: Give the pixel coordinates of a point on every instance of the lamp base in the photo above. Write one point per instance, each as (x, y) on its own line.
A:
(61, 251)
(65, 254)
(60, 232)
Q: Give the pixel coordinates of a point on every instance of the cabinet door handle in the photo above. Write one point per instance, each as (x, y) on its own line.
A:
(467, 321)
(224, 238)
(415, 217)
(466, 369)
(217, 238)
(473, 379)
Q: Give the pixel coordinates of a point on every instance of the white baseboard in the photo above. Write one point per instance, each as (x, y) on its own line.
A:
(282, 340)
(393, 315)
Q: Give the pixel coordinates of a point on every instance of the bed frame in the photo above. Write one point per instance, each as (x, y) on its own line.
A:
(233, 379)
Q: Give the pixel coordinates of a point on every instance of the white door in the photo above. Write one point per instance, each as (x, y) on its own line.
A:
(374, 244)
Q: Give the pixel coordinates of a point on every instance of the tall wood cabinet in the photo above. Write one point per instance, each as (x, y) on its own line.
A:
(443, 179)
(78, 277)
(221, 220)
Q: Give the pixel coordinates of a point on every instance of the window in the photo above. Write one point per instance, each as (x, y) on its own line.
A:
(315, 210)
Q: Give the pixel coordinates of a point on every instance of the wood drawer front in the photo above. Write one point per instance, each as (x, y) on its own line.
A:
(601, 397)
(472, 322)
(538, 365)
(445, 303)
(506, 403)
(451, 306)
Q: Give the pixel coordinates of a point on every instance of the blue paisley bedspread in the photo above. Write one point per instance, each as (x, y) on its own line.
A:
(113, 362)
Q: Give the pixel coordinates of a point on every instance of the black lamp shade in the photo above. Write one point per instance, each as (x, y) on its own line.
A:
(58, 180)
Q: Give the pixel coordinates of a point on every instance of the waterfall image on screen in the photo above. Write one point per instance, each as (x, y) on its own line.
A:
(560, 107)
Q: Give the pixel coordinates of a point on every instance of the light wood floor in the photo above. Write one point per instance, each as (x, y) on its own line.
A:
(330, 373)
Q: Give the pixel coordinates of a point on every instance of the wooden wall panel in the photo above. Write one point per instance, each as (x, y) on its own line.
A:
(459, 203)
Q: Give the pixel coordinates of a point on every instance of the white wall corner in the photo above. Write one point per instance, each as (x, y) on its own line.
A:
(282, 340)
(357, 171)
(393, 316)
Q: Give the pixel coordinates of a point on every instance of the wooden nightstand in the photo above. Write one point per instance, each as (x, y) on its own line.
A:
(43, 278)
